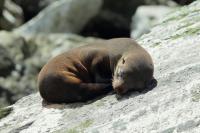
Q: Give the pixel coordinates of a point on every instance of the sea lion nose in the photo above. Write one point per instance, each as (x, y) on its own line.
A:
(120, 90)
(118, 86)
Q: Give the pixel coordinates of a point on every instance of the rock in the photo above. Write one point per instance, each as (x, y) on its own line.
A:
(12, 16)
(32, 8)
(14, 44)
(105, 19)
(66, 16)
(113, 20)
(170, 107)
(6, 63)
(6, 98)
(146, 17)
(5, 111)
(11, 66)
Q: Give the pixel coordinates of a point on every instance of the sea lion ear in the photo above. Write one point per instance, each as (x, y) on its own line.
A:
(123, 61)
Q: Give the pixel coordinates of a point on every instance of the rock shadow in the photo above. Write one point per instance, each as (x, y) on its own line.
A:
(129, 94)
(74, 105)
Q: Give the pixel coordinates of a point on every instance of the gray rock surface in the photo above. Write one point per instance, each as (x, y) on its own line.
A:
(14, 44)
(146, 17)
(6, 63)
(62, 16)
(171, 107)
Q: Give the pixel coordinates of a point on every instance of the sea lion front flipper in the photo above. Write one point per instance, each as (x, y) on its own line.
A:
(91, 90)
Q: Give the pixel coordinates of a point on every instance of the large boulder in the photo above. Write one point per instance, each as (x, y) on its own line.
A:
(66, 16)
(173, 106)
(146, 17)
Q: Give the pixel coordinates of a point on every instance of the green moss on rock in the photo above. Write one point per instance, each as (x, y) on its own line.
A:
(73, 130)
(86, 124)
(5, 111)
(196, 94)
(79, 128)
(100, 103)
(189, 32)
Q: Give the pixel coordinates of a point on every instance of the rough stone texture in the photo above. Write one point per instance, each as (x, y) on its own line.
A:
(13, 58)
(6, 63)
(22, 58)
(5, 111)
(146, 17)
(14, 44)
(171, 107)
(62, 16)
(11, 17)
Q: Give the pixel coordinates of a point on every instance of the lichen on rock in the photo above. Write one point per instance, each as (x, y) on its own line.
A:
(5, 111)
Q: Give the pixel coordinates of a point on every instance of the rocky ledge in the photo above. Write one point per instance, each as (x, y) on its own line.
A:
(173, 106)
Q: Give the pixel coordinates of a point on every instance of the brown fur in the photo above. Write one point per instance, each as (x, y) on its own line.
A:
(91, 70)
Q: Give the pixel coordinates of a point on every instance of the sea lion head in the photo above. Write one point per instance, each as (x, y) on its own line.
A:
(133, 72)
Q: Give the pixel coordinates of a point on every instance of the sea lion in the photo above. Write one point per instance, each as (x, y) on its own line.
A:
(91, 70)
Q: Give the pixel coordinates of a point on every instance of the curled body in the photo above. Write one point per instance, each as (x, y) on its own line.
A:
(91, 70)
